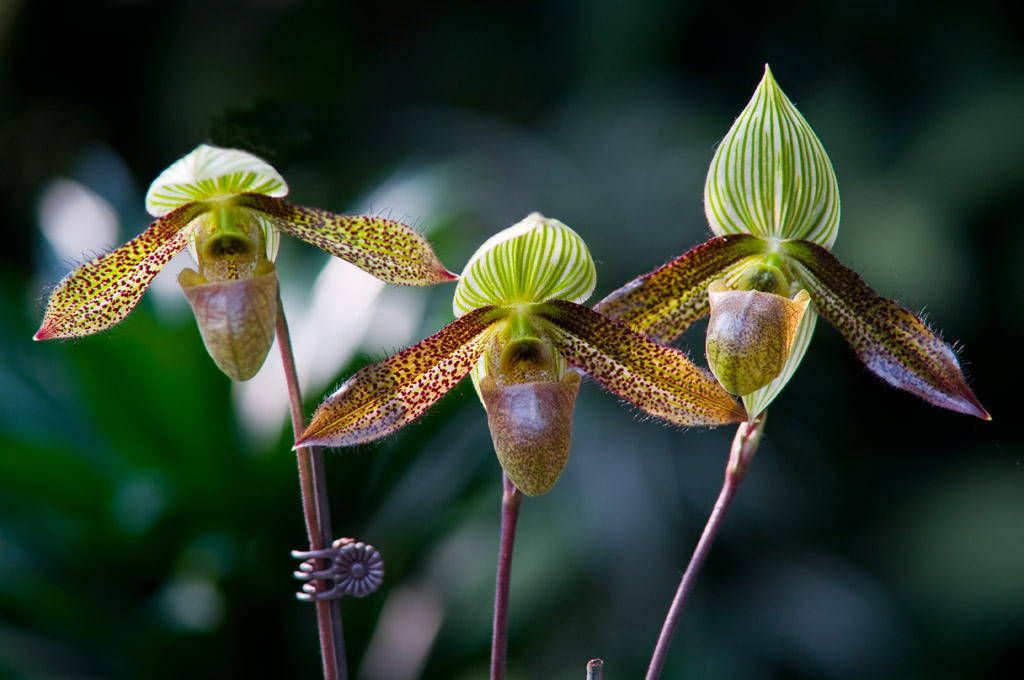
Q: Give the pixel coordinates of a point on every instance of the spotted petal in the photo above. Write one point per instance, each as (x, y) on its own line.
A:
(101, 292)
(663, 303)
(384, 397)
(770, 176)
(659, 380)
(891, 341)
(535, 260)
(389, 250)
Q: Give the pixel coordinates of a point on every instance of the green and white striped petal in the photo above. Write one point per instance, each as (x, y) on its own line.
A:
(770, 176)
(210, 173)
(535, 260)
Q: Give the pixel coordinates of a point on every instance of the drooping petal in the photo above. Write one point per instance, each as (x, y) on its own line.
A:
(101, 292)
(659, 380)
(382, 398)
(534, 260)
(770, 176)
(387, 249)
(663, 303)
(209, 173)
(236, 317)
(891, 341)
(531, 427)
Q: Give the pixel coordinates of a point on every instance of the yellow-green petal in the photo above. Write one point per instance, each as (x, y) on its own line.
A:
(892, 342)
(770, 176)
(386, 396)
(389, 250)
(101, 292)
(663, 303)
(659, 380)
(534, 260)
(210, 173)
(750, 335)
(757, 401)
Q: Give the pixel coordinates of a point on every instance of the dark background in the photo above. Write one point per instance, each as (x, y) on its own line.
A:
(143, 533)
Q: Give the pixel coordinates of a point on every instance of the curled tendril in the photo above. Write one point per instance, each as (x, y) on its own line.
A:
(355, 568)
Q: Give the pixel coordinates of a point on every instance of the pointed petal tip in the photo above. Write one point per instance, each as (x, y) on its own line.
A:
(308, 437)
(970, 406)
(306, 440)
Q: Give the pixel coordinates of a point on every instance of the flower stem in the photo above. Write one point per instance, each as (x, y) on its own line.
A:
(595, 669)
(316, 509)
(510, 501)
(744, 445)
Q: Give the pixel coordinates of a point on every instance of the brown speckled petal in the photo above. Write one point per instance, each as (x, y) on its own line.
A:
(659, 380)
(387, 249)
(384, 397)
(664, 302)
(891, 341)
(101, 292)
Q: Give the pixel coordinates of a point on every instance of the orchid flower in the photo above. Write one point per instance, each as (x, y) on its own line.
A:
(772, 201)
(226, 206)
(523, 335)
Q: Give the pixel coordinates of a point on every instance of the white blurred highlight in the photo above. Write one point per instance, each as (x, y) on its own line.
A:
(77, 222)
(192, 604)
(325, 333)
(165, 292)
(407, 628)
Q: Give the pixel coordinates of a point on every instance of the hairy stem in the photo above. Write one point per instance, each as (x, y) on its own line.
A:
(315, 508)
(744, 445)
(510, 501)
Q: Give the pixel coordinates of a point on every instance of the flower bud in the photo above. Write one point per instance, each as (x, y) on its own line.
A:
(750, 335)
(236, 317)
(531, 426)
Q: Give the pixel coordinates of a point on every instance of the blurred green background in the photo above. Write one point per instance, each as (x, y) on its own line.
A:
(146, 522)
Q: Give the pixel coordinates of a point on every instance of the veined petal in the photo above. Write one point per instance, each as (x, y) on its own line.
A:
(384, 397)
(770, 176)
(210, 172)
(891, 341)
(659, 380)
(663, 303)
(387, 249)
(102, 291)
(535, 260)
